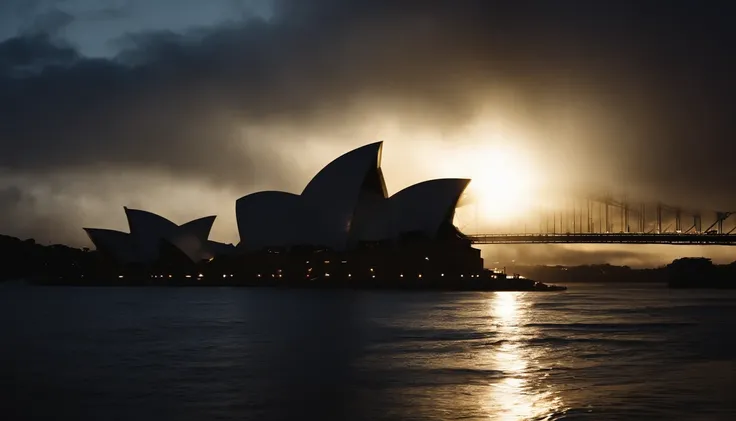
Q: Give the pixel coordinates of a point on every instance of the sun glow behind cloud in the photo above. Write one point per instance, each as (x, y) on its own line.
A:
(503, 182)
(508, 181)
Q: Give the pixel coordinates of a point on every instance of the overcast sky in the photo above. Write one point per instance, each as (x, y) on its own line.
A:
(182, 106)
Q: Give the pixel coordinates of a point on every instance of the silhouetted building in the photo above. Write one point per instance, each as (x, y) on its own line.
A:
(152, 236)
(343, 224)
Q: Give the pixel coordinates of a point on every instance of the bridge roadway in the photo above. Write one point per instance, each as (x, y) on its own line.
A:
(607, 238)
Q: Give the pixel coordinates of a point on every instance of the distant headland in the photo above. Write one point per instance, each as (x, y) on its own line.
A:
(688, 272)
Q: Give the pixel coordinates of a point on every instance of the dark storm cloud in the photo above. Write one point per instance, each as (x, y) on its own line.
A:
(658, 74)
(115, 12)
(51, 22)
(10, 198)
(30, 55)
(15, 204)
(23, 217)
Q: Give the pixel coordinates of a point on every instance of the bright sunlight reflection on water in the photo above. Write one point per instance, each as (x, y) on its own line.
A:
(149, 354)
(516, 397)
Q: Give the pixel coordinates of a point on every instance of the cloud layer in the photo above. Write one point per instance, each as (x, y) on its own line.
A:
(623, 93)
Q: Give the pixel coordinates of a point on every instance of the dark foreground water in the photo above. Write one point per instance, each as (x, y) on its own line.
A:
(220, 354)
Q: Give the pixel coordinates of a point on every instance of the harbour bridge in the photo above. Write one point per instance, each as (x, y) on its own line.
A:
(606, 220)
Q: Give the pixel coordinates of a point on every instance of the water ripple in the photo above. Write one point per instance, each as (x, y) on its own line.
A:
(230, 354)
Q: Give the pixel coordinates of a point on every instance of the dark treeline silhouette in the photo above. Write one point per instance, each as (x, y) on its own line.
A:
(688, 272)
(701, 272)
(601, 273)
(26, 259)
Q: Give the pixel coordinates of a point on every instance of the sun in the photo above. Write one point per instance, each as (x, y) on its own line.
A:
(503, 183)
(507, 184)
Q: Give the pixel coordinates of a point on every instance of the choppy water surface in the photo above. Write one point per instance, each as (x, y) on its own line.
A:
(220, 353)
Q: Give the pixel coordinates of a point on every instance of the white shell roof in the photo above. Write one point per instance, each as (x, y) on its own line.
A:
(147, 230)
(119, 244)
(345, 203)
(425, 206)
(335, 192)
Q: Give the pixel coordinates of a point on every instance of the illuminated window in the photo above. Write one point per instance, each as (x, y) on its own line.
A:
(120, 276)
(327, 275)
(188, 276)
(327, 261)
(344, 261)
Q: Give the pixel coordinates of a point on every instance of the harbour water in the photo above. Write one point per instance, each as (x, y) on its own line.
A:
(592, 352)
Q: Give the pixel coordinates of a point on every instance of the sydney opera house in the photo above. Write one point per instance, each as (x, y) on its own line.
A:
(153, 238)
(343, 225)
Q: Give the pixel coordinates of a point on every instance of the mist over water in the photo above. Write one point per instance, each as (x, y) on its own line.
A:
(592, 352)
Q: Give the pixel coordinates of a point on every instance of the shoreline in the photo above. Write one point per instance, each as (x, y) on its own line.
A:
(479, 285)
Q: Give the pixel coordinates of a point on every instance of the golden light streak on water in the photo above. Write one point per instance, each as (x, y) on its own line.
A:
(517, 396)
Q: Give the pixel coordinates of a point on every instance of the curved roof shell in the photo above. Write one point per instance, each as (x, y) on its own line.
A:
(339, 189)
(143, 222)
(116, 244)
(371, 221)
(426, 206)
(270, 219)
(344, 204)
(147, 229)
(191, 238)
(147, 233)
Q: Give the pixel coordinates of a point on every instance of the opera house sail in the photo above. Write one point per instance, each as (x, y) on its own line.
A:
(152, 235)
(343, 213)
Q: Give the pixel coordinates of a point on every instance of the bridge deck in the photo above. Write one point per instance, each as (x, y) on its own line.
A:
(606, 238)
